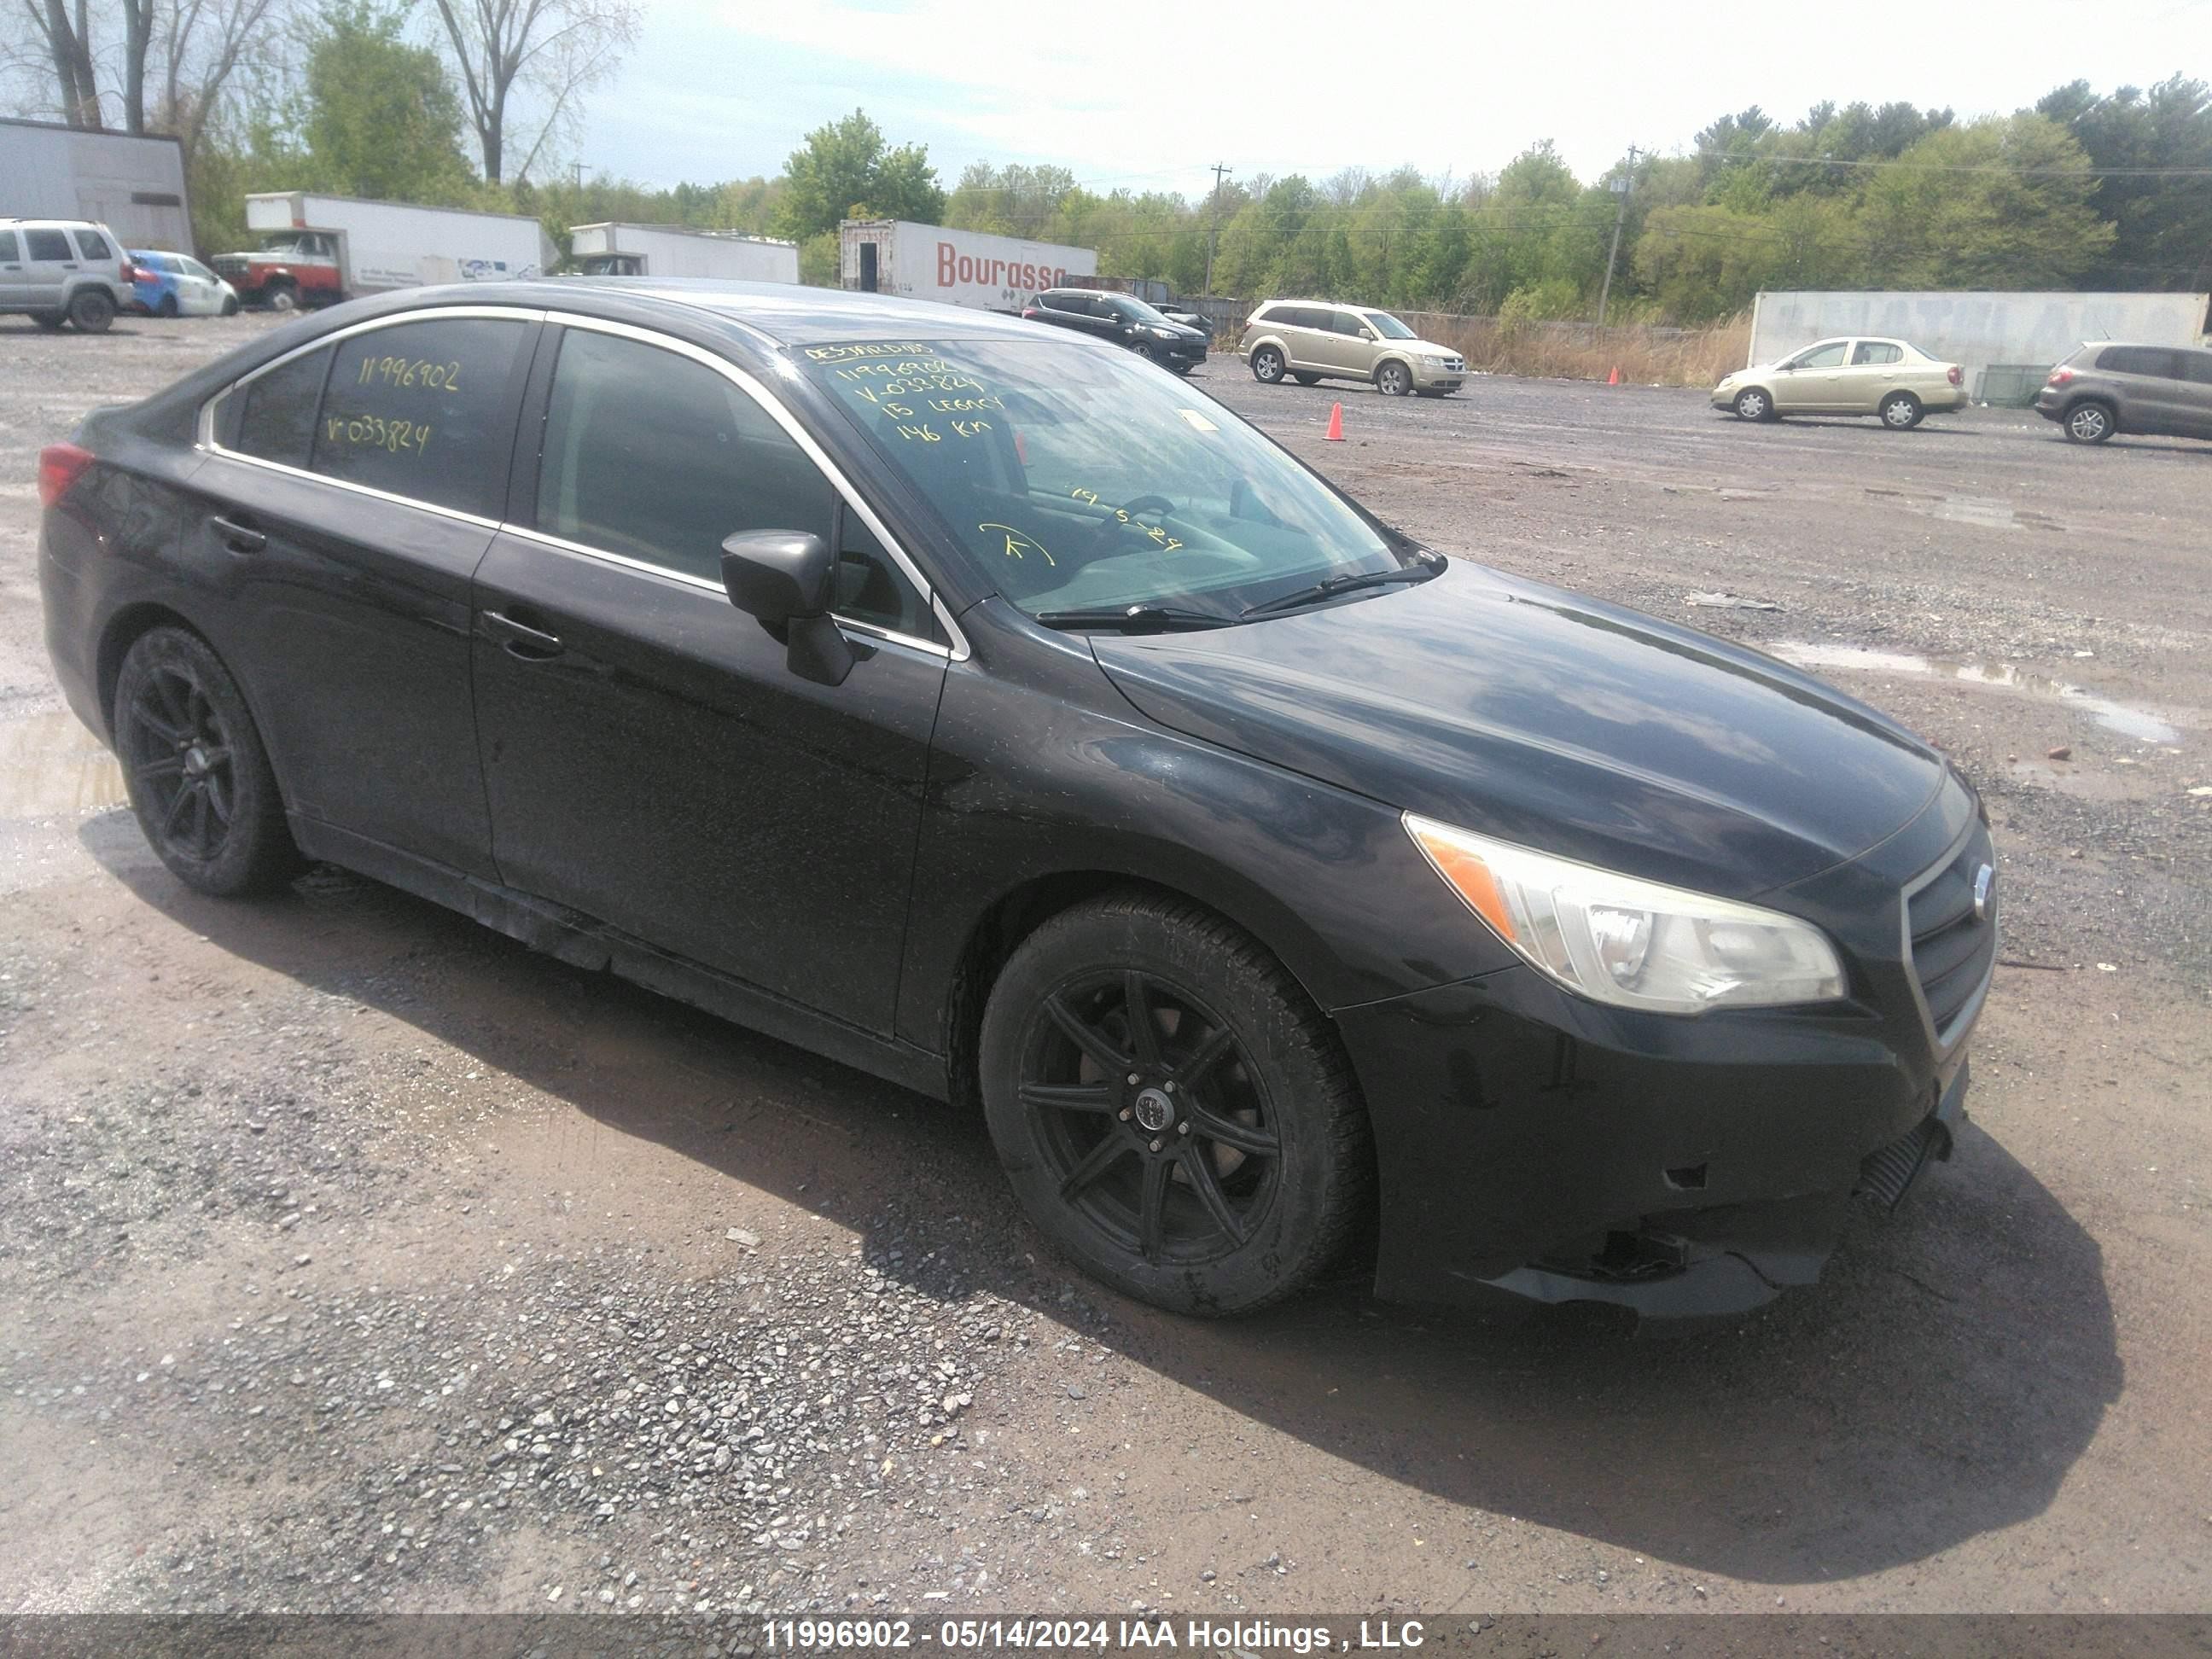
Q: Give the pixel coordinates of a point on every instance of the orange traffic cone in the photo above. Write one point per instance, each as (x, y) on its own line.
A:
(1614, 379)
(1335, 433)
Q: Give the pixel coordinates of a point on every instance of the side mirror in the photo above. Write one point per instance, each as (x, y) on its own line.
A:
(1367, 333)
(784, 578)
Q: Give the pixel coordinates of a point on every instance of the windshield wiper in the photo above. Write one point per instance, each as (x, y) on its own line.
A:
(1136, 618)
(1336, 585)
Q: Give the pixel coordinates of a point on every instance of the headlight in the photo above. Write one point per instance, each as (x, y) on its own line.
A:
(1634, 944)
(1164, 334)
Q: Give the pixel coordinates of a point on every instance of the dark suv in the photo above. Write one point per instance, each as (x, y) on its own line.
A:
(1124, 320)
(2106, 388)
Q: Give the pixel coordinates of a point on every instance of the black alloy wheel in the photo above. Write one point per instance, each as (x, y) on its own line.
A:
(199, 778)
(1171, 1111)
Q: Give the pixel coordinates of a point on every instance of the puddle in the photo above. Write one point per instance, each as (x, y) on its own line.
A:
(50, 766)
(2123, 717)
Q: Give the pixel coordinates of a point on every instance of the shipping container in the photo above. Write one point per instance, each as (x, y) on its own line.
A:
(317, 250)
(620, 250)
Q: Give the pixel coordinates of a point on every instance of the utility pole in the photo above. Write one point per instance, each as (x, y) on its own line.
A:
(577, 167)
(1620, 216)
(1214, 233)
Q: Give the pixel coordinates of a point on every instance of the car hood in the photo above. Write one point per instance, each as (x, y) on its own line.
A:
(1552, 720)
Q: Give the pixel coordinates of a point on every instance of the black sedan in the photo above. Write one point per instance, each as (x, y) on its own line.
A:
(1125, 321)
(984, 709)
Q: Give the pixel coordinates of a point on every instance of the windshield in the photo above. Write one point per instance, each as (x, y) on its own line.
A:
(1389, 326)
(1136, 310)
(1073, 479)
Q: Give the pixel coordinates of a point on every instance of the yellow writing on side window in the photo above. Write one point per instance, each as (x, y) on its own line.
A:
(409, 374)
(838, 354)
(1018, 544)
(374, 432)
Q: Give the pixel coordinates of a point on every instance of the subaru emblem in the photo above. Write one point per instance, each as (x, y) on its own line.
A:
(1985, 879)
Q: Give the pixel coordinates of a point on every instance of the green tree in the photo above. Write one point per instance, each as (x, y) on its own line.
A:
(2162, 216)
(379, 118)
(2001, 202)
(845, 170)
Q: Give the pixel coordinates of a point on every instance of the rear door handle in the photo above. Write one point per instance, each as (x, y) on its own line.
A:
(240, 537)
(530, 644)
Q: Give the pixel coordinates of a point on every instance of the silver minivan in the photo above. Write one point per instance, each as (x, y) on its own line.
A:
(1310, 340)
(57, 270)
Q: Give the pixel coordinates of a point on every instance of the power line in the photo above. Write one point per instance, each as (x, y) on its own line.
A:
(1953, 166)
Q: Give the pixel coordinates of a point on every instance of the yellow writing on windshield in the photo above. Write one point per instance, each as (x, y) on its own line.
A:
(838, 354)
(1153, 532)
(1018, 544)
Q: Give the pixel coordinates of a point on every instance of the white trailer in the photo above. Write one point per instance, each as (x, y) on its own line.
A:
(133, 186)
(317, 250)
(960, 267)
(2005, 341)
(620, 250)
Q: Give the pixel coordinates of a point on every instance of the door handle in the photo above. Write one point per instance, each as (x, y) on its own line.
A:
(530, 644)
(240, 537)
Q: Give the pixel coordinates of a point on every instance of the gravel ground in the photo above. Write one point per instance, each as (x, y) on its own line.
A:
(353, 1258)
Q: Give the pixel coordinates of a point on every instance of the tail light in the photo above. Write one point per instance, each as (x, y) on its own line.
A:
(60, 465)
(129, 272)
(2060, 376)
(1028, 314)
(1956, 375)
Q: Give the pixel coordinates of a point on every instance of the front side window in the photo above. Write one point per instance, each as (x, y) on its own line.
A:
(50, 245)
(1070, 480)
(657, 457)
(94, 245)
(1821, 356)
(2196, 368)
(1877, 351)
(423, 410)
(1345, 322)
(1388, 326)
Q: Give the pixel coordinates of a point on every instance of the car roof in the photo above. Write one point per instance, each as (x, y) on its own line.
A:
(784, 312)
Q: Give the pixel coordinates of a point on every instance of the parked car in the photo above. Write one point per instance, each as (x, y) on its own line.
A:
(1310, 340)
(1893, 379)
(2107, 388)
(1125, 321)
(178, 285)
(1269, 880)
(57, 270)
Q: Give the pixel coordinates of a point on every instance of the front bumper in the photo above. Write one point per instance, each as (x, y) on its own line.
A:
(1535, 1141)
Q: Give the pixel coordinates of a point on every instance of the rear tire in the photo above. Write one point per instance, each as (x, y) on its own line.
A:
(1268, 366)
(168, 307)
(91, 311)
(1901, 411)
(199, 779)
(1236, 1168)
(2089, 424)
(1394, 380)
(1754, 403)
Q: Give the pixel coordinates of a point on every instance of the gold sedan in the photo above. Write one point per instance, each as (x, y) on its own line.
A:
(1892, 380)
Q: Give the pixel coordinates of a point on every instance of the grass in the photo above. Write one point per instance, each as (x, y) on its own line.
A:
(1644, 355)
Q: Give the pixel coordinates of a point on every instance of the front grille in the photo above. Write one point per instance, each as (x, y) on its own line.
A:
(1952, 947)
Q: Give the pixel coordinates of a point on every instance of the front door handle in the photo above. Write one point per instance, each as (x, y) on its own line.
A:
(240, 537)
(530, 644)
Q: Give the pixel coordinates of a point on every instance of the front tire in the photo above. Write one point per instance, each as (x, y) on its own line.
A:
(282, 296)
(168, 307)
(1268, 366)
(230, 304)
(1394, 380)
(91, 311)
(49, 321)
(1172, 1112)
(1754, 403)
(198, 777)
(1901, 411)
(2089, 424)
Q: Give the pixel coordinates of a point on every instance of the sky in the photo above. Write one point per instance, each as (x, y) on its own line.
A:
(1148, 94)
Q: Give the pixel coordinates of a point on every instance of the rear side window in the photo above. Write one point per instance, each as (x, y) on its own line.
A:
(2140, 359)
(94, 245)
(272, 416)
(8, 253)
(423, 410)
(1877, 351)
(1074, 304)
(48, 245)
(2196, 368)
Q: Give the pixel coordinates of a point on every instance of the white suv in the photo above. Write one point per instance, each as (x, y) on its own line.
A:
(57, 270)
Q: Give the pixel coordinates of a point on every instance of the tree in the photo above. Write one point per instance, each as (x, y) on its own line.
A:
(2001, 202)
(382, 119)
(845, 171)
(549, 51)
(170, 61)
(2162, 217)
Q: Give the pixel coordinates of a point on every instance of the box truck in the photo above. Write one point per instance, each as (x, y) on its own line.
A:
(317, 250)
(133, 186)
(960, 267)
(619, 250)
